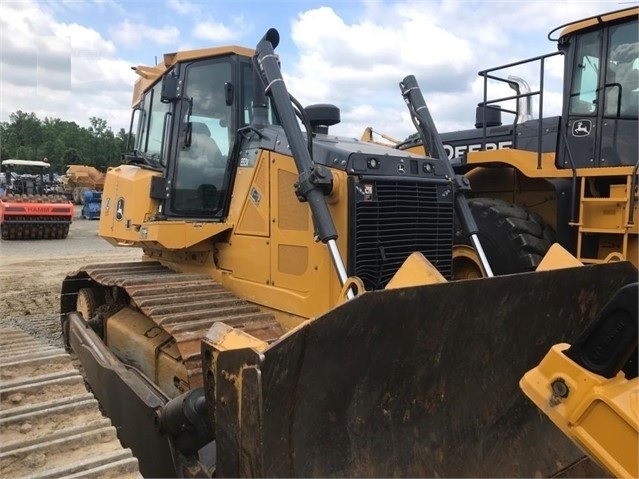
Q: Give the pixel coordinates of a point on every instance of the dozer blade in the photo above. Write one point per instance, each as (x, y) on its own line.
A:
(411, 382)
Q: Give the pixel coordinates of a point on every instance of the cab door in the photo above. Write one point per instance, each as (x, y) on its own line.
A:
(603, 98)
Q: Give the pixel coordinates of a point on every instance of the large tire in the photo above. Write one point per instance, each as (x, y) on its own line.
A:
(514, 238)
(83, 190)
(76, 195)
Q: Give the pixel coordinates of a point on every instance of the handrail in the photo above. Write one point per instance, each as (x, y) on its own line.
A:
(488, 74)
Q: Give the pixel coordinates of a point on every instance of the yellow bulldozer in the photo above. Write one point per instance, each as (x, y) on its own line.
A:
(294, 312)
(570, 179)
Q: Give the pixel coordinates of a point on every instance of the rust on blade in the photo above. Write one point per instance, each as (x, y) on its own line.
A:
(185, 305)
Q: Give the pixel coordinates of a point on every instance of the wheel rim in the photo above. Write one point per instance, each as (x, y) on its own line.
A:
(85, 303)
(466, 263)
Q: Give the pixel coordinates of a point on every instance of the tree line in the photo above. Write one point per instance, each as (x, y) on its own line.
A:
(63, 143)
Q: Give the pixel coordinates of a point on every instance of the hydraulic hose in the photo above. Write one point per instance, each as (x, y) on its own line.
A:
(314, 180)
(423, 121)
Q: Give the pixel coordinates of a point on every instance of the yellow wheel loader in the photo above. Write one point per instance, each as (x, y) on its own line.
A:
(570, 179)
(293, 313)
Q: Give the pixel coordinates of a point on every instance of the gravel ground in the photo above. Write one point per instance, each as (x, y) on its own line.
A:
(31, 275)
(32, 271)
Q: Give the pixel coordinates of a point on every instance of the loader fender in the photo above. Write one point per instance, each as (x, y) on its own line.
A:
(412, 382)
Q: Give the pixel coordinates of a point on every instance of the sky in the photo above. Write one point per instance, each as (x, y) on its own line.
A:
(72, 59)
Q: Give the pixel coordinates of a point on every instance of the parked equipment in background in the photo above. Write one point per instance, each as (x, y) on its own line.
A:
(81, 178)
(28, 209)
(91, 204)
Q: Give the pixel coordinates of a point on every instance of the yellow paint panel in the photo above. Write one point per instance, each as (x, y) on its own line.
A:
(291, 213)
(126, 184)
(247, 258)
(299, 264)
(606, 431)
(605, 18)
(254, 219)
(557, 257)
(598, 414)
(416, 270)
(292, 259)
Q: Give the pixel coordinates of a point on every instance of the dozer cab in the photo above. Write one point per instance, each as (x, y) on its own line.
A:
(293, 313)
(570, 179)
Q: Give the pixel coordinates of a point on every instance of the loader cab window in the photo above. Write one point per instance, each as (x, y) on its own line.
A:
(622, 76)
(601, 124)
(202, 159)
(583, 95)
(616, 75)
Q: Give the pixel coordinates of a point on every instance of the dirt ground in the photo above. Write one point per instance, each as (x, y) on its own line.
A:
(31, 275)
(32, 271)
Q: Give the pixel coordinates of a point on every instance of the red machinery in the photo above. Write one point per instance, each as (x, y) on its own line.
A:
(29, 207)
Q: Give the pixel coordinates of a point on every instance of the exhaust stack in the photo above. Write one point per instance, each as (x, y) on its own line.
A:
(524, 103)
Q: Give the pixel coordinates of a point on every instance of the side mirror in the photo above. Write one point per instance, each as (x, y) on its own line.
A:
(170, 89)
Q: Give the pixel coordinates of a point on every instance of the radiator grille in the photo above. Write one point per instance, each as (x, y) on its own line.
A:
(394, 219)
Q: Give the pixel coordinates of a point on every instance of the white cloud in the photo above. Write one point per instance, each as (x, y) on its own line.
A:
(59, 70)
(216, 32)
(353, 55)
(183, 7)
(213, 31)
(358, 63)
(131, 34)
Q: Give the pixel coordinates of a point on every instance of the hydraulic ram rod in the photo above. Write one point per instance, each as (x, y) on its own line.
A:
(420, 115)
(313, 178)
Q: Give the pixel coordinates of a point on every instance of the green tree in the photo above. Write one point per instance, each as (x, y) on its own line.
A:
(71, 157)
(24, 132)
(62, 142)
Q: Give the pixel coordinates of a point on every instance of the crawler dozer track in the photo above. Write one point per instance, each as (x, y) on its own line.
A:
(406, 382)
(184, 305)
(50, 426)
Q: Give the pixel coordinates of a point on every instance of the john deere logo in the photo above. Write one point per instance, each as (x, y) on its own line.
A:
(119, 209)
(581, 128)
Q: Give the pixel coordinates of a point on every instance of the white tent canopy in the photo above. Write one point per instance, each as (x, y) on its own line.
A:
(42, 164)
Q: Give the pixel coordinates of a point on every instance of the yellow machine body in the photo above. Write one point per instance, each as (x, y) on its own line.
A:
(577, 173)
(601, 415)
(296, 310)
(612, 215)
(265, 251)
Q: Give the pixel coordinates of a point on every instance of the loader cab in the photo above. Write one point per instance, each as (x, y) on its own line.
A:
(602, 93)
(187, 128)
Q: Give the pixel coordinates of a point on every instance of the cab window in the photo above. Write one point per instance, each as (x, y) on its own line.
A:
(202, 158)
(622, 75)
(583, 95)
